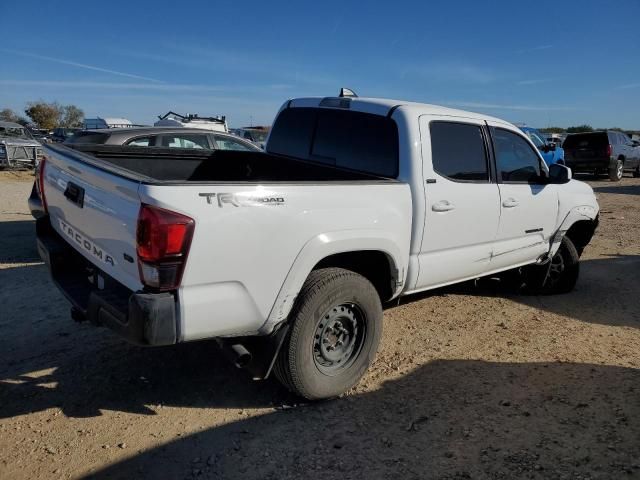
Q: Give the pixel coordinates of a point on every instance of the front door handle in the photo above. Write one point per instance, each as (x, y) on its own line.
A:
(442, 206)
(510, 203)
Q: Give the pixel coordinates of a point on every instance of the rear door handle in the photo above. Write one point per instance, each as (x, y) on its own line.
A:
(510, 203)
(442, 206)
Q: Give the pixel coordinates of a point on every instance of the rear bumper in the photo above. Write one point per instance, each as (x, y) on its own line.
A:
(35, 204)
(139, 317)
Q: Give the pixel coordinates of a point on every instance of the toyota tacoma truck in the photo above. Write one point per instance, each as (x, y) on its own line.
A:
(286, 257)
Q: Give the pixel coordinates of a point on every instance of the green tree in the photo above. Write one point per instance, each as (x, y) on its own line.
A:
(45, 115)
(72, 117)
(553, 130)
(580, 128)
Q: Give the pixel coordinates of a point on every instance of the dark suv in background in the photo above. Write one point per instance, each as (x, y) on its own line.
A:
(608, 152)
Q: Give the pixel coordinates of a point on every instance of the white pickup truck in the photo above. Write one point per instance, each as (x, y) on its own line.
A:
(287, 256)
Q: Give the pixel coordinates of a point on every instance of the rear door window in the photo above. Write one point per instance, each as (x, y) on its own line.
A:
(342, 138)
(458, 151)
(184, 140)
(141, 142)
(228, 143)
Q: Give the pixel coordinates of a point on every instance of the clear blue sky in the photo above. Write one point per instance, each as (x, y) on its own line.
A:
(555, 62)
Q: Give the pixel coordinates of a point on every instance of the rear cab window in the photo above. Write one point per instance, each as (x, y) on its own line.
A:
(343, 138)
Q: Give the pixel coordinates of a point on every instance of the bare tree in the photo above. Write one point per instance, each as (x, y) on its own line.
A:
(8, 115)
(72, 117)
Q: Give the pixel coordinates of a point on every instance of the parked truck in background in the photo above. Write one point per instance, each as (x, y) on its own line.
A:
(287, 256)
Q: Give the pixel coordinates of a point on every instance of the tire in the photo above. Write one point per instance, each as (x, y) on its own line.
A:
(563, 271)
(558, 276)
(331, 299)
(615, 173)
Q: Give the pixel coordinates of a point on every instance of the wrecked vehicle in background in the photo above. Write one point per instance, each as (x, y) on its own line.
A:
(18, 148)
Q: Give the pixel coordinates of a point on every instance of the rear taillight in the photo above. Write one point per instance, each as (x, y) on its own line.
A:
(163, 239)
(609, 150)
(40, 182)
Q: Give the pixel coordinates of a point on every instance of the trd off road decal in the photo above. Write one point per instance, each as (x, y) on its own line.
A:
(234, 200)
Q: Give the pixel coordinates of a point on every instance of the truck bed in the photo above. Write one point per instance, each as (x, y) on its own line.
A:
(162, 165)
(262, 222)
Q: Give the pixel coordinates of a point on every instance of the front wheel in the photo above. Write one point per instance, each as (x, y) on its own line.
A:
(616, 172)
(335, 331)
(559, 275)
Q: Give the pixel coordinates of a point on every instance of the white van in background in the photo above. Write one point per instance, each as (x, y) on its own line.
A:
(172, 119)
(107, 122)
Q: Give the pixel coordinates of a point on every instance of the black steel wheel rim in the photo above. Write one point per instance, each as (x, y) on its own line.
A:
(556, 269)
(338, 338)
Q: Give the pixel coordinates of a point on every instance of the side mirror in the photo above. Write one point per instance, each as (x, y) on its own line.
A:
(559, 173)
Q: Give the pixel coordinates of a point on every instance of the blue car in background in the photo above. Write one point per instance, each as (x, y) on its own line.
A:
(549, 151)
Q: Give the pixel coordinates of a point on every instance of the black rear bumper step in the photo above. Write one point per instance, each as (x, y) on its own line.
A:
(141, 318)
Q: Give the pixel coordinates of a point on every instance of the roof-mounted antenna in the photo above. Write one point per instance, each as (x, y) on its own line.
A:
(347, 92)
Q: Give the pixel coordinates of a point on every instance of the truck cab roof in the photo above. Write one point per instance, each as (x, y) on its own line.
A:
(385, 106)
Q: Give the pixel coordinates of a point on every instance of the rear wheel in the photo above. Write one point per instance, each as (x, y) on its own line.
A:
(616, 172)
(335, 332)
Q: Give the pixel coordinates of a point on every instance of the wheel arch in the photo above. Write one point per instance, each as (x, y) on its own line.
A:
(579, 226)
(373, 254)
(581, 233)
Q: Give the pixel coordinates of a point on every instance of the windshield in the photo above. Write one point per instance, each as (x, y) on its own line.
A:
(537, 141)
(15, 132)
(258, 136)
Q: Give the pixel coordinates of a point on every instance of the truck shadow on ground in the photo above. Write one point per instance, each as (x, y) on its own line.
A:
(446, 419)
(606, 293)
(47, 361)
(17, 241)
(619, 189)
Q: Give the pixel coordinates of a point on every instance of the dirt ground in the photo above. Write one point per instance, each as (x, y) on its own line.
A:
(473, 381)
